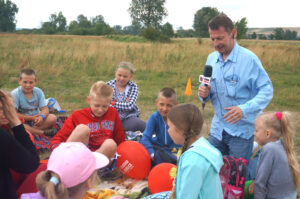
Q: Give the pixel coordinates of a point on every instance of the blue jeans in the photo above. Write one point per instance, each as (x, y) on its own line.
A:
(251, 168)
(162, 155)
(232, 145)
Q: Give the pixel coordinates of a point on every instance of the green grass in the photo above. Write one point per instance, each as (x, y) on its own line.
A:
(67, 66)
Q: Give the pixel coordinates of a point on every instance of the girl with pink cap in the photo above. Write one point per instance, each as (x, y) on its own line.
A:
(70, 172)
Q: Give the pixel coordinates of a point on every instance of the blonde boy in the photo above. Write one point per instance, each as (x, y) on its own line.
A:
(31, 105)
(98, 127)
(156, 138)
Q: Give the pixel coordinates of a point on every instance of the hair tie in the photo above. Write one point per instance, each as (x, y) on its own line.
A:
(278, 115)
(54, 180)
(126, 67)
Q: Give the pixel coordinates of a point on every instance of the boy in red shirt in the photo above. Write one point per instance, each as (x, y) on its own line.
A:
(98, 127)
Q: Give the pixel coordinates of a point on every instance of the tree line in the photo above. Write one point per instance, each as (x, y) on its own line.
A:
(146, 20)
(278, 34)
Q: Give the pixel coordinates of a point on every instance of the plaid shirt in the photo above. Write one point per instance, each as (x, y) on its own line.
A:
(125, 109)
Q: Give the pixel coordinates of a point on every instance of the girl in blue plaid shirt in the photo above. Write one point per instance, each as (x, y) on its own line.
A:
(125, 97)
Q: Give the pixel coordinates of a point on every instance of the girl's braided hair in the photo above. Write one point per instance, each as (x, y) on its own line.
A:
(187, 118)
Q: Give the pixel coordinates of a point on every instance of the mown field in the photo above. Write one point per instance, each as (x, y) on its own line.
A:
(67, 66)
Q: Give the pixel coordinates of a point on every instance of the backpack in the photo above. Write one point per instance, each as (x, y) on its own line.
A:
(233, 177)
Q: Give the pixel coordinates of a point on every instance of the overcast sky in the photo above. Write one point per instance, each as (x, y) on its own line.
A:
(259, 13)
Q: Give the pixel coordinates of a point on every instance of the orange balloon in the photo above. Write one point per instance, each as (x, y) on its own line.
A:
(159, 178)
(133, 160)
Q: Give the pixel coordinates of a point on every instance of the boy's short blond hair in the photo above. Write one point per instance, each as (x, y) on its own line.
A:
(100, 89)
(168, 93)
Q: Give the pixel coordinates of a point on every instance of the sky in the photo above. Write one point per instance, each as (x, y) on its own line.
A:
(259, 13)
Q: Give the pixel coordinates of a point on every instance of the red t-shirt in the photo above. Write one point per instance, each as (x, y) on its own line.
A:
(108, 126)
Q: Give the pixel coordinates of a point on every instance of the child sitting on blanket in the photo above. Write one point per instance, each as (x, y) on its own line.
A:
(125, 97)
(156, 138)
(98, 127)
(31, 105)
(71, 171)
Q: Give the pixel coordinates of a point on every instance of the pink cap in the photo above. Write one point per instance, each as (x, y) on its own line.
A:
(75, 163)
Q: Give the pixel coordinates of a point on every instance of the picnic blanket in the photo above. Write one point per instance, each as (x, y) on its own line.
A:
(42, 142)
(125, 186)
(122, 185)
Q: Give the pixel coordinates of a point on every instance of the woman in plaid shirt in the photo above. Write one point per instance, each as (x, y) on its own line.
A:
(125, 97)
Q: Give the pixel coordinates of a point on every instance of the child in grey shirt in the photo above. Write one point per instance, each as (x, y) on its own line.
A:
(277, 172)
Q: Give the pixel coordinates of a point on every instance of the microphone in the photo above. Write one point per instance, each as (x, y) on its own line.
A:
(205, 79)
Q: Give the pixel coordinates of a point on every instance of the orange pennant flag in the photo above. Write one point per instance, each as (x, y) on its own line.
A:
(188, 89)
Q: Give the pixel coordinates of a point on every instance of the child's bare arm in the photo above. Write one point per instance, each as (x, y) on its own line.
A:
(42, 116)
(44, 111)
(251, 187)
(172, 193)
(27, 117)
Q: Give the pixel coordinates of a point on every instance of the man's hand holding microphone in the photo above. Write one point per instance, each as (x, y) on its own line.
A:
(205, 80)
(204, 91)
(234, 113)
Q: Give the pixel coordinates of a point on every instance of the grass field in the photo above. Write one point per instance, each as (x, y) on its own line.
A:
(67, 66)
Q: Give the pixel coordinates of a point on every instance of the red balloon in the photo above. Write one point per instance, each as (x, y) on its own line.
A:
(134, 160)
(159, 178)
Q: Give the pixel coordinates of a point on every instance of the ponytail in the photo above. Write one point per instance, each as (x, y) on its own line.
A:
(288, 143)
(51, 190)
(48, 189)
